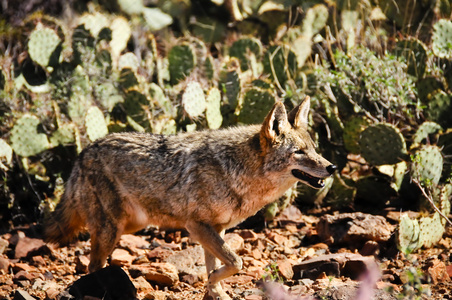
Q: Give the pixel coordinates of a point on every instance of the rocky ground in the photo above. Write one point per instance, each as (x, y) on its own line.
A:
(315, 255)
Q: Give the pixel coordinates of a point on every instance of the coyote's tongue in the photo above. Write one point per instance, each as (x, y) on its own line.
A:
(314, 182)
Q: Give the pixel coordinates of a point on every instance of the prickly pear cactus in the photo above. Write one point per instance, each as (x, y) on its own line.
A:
(442, 39)
(439, 109)
(182, 60)
(415, 53)
(120, 35)
(352, 131)
(6, 154)
(340, 194)
(427, 164)
(160, 99)
(245, 49)
(314, 20)
(382, 144)
(136, 106)
(275, 208)
(108, 95)
(25, 139)
(423, 132)
(431, 230)
(428, 86)
(408, 234)
(64, 135)
(280, 62)
(194, 100)
(232, 87)
(95, 124)
(42, 46)
(256, 104)
(213, 112)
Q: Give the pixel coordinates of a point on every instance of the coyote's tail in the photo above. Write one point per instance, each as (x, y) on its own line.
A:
(65, 222)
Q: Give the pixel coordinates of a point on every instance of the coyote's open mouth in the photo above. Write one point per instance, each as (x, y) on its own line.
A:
(315, 182)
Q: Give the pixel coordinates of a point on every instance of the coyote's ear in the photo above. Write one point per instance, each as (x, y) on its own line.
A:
(298, 116)
(276, 122)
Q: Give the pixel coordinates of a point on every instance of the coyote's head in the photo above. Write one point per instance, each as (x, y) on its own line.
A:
(288, 147)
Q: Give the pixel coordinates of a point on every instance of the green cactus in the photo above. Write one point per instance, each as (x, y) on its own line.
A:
(94, 23)
(209, 29)
(431, 230)
(408, 234)
(213, 108)
(273, 209)
(136, 105)
(415, 53)
(341, 193)
(182, 60)
(314, 21)
(108, 95)
(128, 60)
(256, 104)
(25, 138)
(156, 19)
(439, 109)
(43, 46)
(280, 62)
(64, 135)
(427, 86)
(6, 154)
(120, 35)
(95, 124)
(161, 99)
(245, 49)
(442, 39)
(382, 144)
(445, 142)
(424, 131)
(232, 88)
(427, 164)
(131, 7)
(164, 125)
(194, 100)
(352, 131)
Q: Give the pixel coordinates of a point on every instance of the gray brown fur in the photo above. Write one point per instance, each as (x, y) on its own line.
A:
(204, 181)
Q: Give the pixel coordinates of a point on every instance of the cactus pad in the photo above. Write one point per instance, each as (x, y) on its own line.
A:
(182, 60)
(408, 234)
(382, 144)
(423, 132)
(6, 153)
(161, 99)
(95, 124)
(442, 39)
(136, 107)
(256, 104)
(42, 44)
(64, 135)
(213, 112)
(439, 108)
(415, 53)
(193, 100)
(352, 131)
(431, 230)
(244, 48)
(280, 62)
(25, 139)
(427, 164)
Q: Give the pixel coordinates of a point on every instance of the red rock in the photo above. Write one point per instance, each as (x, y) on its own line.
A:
(81, 264)
(142, 285)
(156, 295)
(160, 273)
(4, 265)
(277, 238)
(449, 270)
(52, 293)
(248, 235)
(159, 253)
(239, 279)
(234, 241)
(285, 268)
(38, 260)
(23, 275)
(17, 267)
(121, 257)
(253, 297)
(437, 271)
(26, 245)
(256, 254)
(3, 245)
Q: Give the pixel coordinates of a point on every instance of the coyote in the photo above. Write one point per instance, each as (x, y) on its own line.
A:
(205, 182)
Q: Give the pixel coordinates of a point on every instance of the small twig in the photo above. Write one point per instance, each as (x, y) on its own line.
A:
(429, 198)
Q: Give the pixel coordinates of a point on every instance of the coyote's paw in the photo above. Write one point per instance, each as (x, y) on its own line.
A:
(216, 292)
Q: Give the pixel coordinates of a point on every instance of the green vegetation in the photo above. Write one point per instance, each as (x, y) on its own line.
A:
(380, 79)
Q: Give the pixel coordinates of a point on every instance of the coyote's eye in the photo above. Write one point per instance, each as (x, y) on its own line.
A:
(299, 151)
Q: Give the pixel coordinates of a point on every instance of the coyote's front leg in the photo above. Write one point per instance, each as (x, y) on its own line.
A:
(215, 247)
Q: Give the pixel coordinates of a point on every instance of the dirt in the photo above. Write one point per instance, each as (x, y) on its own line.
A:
(283, 259)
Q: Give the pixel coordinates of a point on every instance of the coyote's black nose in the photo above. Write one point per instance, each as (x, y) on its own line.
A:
(331, 169)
